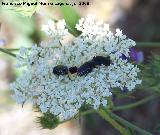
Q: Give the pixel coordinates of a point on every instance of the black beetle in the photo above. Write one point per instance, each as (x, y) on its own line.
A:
(85, 68)
(60, 70)
(101, 60)
(73, 70)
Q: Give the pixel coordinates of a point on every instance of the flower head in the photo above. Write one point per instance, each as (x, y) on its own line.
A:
(63, 95)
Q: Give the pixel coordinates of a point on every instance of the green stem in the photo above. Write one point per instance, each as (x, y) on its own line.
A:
(148, 44)
(116, 125)
(12, 49)
(129, 125)
(7, 52)
(88, 112)
(138, 103)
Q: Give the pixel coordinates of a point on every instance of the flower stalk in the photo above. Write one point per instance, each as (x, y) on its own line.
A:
(148, 44)
(128, 124)
(114, 123)
(7, 52)
(133, 105)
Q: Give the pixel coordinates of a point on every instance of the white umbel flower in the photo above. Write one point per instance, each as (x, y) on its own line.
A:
(64, 95)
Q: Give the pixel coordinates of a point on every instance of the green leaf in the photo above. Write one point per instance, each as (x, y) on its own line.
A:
(71, 17)
(26, 9)
(151, 74)
(20, 23)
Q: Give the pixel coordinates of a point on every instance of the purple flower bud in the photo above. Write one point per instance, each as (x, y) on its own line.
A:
(2, 42)
(138, 57)
(133, 53)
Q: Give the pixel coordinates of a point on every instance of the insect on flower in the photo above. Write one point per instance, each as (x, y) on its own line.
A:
(101, 60)
(85, 68)
(60, 70)
(73, 70)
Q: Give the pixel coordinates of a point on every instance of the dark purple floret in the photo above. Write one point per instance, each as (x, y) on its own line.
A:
(73, 70)
(125, 90)
(100, 60)
(60, 70)
(85, 68)
(123, 57)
